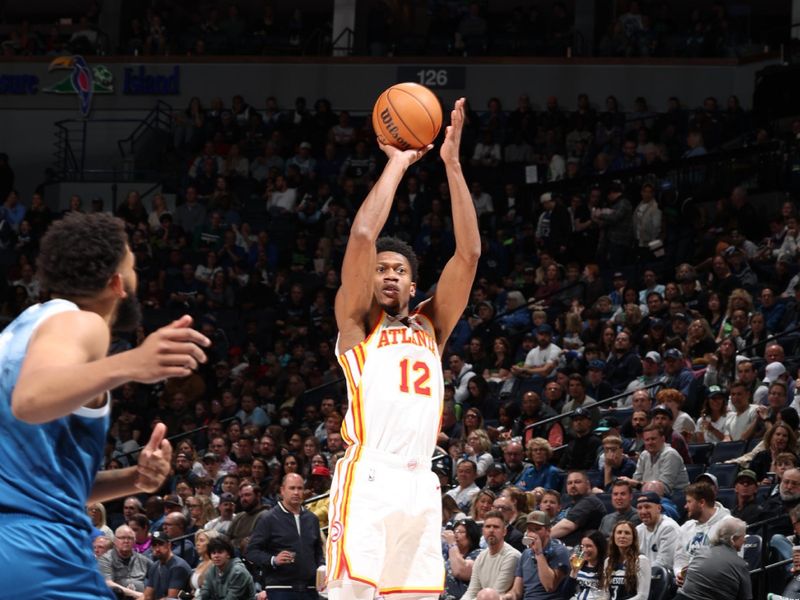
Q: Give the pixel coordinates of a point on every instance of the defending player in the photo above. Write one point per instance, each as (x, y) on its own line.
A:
(384, 536)
(55, 408)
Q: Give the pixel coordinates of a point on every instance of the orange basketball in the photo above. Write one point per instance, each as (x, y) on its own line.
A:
(407, 115)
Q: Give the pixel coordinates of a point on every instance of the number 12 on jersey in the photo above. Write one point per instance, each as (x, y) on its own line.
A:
(421, 374)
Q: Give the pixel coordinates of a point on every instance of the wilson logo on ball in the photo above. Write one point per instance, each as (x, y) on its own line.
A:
(392, 129)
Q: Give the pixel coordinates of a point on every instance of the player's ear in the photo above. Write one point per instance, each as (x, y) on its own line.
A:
(413, 288)
(117, 285)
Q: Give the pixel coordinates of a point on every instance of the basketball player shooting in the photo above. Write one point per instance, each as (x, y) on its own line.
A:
(55, 408)
(384, 536)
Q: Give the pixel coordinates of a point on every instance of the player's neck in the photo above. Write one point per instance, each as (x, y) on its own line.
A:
(105, 307)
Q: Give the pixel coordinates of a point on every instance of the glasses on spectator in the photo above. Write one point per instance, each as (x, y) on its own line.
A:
(470, 416)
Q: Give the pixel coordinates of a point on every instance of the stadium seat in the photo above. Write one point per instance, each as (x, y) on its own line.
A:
(726, 451)
(694, 470)
(606, 500)
(725, 474)
(763, 493)
(660, 583)
(751, 551)
(595, 477)
(727, 497)
(700, 453)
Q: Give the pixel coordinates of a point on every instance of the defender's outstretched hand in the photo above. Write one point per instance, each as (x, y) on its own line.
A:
(409, 156)
(452, 135)
(154, 461)
(172, 351)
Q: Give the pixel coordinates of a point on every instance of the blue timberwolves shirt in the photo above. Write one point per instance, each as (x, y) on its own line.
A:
(46, 470)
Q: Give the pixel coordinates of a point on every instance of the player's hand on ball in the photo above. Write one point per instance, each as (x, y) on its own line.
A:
(452, 135)
(154, 461)
(409, 156)
(172, 351)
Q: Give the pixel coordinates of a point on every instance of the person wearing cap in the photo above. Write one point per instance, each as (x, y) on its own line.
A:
(703, 514)
(123, 569)
(747, 507)
(497, 477)
(623, 364)
(286, 543)
(169, 574)
(677, 374)
(658, 534)
(774, 371)
(596, 385)
(227, 507)
(621, 500)
(540, 363)
(581, 452)
(493, 571)
(650, 374)
(659, 461)
(586, 512)
(543, 565)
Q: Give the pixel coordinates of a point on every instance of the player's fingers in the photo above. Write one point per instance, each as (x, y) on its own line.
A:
(184, 321)
(187, 335)
(156, 437)
(166, 450)
(178, 360)
(184, 349)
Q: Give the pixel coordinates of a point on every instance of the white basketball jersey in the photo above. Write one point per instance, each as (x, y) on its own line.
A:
(395, 388)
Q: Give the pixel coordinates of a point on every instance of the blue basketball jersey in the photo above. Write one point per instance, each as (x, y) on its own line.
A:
(47, 470)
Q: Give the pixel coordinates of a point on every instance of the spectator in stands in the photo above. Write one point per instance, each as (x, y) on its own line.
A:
(678, 375)
(463, 494)
(743, 422)
(663, 417)
(659, 461)
(623, 365)
(581, 452)
(228, 578)
(508, 503)
(747, 506)
(493, 570)
(585, 514)
(175, 526)
(578, 399)
(779, 438)
(169, 574)
(497, 477)
(540, 363)
(719, 571)
(463, 547)
(244, 522)
(613, 461)
(121, 567)
(627, 572)
(286, 543)
(710, 427)
(541, 473)
(703, 513)
(658, 534)
(681, 423)
(616, 224)
(621, 500)
(462, 372)
(543, 565)
(227, 506)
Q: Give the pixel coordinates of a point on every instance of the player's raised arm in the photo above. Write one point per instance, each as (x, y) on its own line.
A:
(354, 299)
(455, 283)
